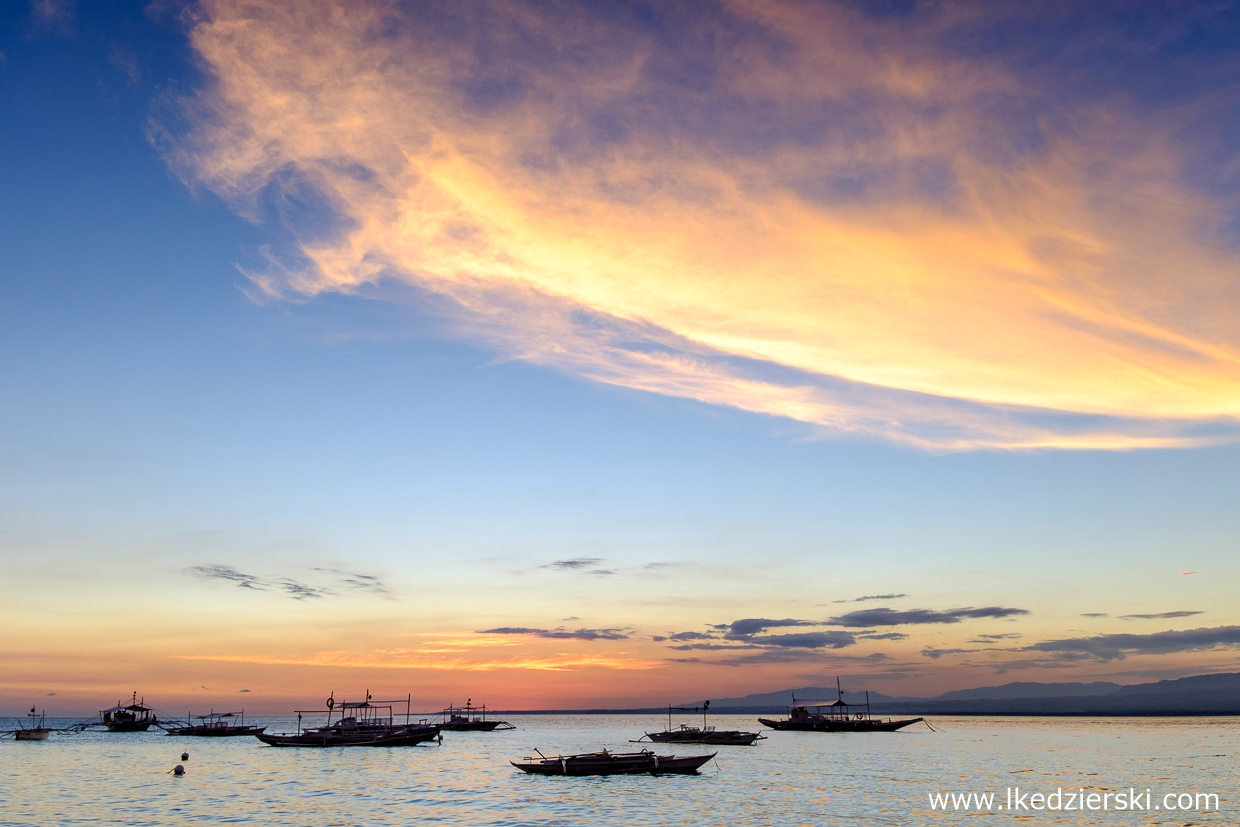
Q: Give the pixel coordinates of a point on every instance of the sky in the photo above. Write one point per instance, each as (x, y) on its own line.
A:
(577, 355)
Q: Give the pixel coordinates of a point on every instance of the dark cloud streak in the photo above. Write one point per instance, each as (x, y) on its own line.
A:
(894, 617)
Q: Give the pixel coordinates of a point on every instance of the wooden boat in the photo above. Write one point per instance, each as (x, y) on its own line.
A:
(470, 718)
(689, 734)
(37, 731)
(215, 725)
(135, 716)
(613, 763)
(835, 716)
(361, 724)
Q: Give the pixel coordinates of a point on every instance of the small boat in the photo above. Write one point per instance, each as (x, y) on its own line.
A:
(37, 731)
(613, 763)
(215, 725)
(689, 734)
(361, 724)
(470, 718)
(835, 716)
(135, 716)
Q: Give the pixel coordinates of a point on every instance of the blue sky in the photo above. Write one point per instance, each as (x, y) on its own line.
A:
(164, 421)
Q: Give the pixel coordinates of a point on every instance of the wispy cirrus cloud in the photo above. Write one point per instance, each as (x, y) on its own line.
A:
(295, 589)
(1160, 615)
(587, 565)
(869, 597)
(226, 574)
(792, 209)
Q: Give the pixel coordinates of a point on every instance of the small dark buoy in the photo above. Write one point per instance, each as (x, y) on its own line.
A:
(185, 756)
(178, 770)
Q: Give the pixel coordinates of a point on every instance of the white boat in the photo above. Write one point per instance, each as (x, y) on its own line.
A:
(38, 729)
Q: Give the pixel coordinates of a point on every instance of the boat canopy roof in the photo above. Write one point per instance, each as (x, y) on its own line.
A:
(836, 702)
(214, 715)
(128, 708)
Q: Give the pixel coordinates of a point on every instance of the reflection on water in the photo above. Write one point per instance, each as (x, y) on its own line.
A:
(792, 778)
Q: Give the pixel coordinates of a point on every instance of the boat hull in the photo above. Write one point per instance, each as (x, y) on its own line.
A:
(215, 732)
(37, 734)
(641, 763)
(128, 726)
(399, 737)
(715, 737)
(475, 726)
(845, 725)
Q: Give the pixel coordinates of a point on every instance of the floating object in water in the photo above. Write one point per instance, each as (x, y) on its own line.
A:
(37, 731)
(214, 725)
(135, 716)
(687, 734)
(178, 770)
(185, 756)
(365, 723)
(834, 716)
(613, 763)
(470, 718)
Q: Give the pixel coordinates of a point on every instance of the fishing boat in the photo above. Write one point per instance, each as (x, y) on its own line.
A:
(689, 734)
(37, 731)
(367, 723)
(215, 725)
(135, 716)
(613, 763)
(835, 716)
(470, 718)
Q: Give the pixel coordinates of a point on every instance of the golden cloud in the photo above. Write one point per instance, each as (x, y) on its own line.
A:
(828, 222)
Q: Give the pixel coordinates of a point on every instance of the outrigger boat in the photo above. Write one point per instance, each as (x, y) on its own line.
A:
(135, 716)
(215, 725)
(613, 763)
(37, 731)
(835, 716)
(688, 734)
(361, 724)
(470, 718)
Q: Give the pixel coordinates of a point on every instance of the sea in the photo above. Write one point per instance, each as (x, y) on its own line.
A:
(790, 778)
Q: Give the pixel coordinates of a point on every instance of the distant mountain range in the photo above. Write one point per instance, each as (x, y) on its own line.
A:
(1200, 695)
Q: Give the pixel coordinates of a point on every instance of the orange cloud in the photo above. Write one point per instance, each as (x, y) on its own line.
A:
(582, 213)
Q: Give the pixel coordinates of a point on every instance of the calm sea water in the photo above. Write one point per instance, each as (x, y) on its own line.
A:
(789, 779)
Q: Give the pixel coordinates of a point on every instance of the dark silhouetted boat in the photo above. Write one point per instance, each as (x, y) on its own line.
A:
(215, 725)
(135, 716)
(689, 734)
(470, 718)
(835, 716)
(361, 724)
(613, 763)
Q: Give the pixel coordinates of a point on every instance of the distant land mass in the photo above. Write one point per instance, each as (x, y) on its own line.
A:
(1217, 694)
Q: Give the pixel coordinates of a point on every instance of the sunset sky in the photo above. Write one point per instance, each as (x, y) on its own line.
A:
(574, 354)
